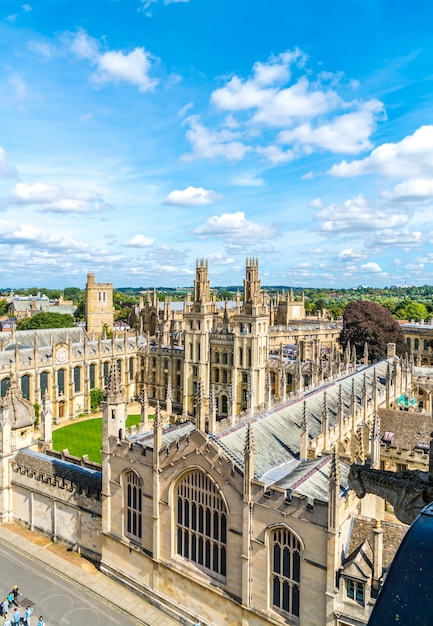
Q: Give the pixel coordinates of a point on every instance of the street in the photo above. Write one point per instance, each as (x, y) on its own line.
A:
(59, 600)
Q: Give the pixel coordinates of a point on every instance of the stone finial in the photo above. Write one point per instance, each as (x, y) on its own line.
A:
(334, 470)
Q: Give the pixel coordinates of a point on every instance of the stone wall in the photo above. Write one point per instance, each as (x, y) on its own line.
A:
(59, 499)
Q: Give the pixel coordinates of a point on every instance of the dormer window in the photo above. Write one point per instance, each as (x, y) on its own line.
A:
(355, 590)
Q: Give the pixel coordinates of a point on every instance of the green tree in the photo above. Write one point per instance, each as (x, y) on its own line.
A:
(46, 320)
(409, 310)
(95, 399)
(367, 322)
(72, 293)
(3, 306)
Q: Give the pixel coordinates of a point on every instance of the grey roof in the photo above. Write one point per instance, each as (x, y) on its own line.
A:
(277, 432)
(311, 478)
(59, 469)
(170, 434)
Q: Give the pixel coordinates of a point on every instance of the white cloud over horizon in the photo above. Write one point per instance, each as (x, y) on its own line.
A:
(191, 196)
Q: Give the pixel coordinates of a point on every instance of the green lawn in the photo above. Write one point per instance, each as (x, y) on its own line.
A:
(85, 437)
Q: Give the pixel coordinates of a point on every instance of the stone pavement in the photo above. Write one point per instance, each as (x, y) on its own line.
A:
(82, 572)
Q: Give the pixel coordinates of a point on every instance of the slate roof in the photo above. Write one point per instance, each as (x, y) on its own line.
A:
(170, 434)
(277, 432)
(409, 427)
(53, 468)
(362, 529)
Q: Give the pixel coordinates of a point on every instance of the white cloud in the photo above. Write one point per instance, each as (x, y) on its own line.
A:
(371, 267)
(230, 226)
(210, 144)
(139, 241)
(355, 215)
(350, 255)
(191, 196)
(348, 133)
(26, 8)
(218, 259)
(54, 199)
(25, 234)
(42, 48)
(114, 66)
(412, 157)
(414, 190)
(275, 155)
(316, 203)
(247, 179)
(6, 170)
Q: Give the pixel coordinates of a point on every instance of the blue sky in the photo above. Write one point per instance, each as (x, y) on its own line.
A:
(137, 136)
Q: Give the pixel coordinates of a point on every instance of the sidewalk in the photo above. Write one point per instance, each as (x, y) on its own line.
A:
(84, 573)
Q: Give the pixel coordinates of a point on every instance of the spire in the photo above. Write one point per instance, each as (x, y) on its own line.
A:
(157, 434)
(304, 441)
(365, 353)
(304, 425)
(248, 462)
(325, 421)
(375, 442)
(334, 470)
(225, 326)
(113, 386)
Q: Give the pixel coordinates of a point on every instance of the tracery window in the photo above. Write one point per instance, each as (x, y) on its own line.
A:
(61, 381)
(25, 386)
(202, 523)
(43, 383)
(92, 376)
(286, 566)
(133, 505)
(77, 379)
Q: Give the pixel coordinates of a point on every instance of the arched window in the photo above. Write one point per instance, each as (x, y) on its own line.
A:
(249, 357)
(92, 370)
(244, 395)
(4, 386)
(223, 404)
(202, 523)
(241, 357)
(217, 357)
(131, 368)
(43, 383)
(289, 379)
(416, 344)
(25, 386)
(61, 381)
(105, 370)
(285, 571)
(133, 505)
(224, 376)
(225, 358)
(217, 375)
(77, 379)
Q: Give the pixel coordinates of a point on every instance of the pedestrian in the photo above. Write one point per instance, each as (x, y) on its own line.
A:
(10, 599)
(16, 617)
(15, 593)
(41, 621)
(4, 607)
(27, 615)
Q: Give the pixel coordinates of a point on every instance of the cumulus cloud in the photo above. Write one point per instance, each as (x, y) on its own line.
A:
(350, 255)
(412, 157)
(6, 170)
(25, 234)
(191, 196)
(139, 241)
(415, 190)
(355, 215)
(348, 133)
(247, 179)
(371, 267)
(54, 199)
(234, 226)
(285, 105)
(211, 144)
(114, 66)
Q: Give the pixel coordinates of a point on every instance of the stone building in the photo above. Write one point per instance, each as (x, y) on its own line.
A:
(232, 505)
(99, 306)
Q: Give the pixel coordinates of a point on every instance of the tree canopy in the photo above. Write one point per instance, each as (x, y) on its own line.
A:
(367, 322)
(46, 320)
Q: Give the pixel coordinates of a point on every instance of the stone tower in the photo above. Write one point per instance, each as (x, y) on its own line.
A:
(99, 306)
